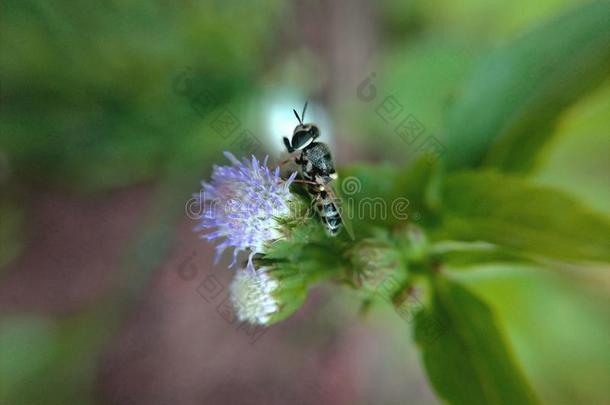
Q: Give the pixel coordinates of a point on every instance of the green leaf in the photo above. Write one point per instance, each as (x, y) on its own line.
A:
(454, 254)
(572, 310)
(511, 212)
(467, 359)
(510, 106)
(387, 196)
(576, 160)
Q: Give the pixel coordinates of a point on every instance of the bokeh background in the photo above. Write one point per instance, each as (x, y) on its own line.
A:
(111, 114)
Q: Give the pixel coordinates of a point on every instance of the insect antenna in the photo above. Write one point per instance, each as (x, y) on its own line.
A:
(304, 109)
(296, 114)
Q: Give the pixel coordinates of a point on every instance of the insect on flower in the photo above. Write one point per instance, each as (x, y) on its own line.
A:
(318, 171)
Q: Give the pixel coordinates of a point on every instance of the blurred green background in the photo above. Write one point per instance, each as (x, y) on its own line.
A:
(110, 118)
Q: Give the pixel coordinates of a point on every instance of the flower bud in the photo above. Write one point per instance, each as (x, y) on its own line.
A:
(267, 295)
(377, 266)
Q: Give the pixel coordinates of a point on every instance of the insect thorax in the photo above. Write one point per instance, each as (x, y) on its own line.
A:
(316, 160)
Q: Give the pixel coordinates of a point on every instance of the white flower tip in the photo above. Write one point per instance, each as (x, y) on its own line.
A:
(251, 295)
(231, 157)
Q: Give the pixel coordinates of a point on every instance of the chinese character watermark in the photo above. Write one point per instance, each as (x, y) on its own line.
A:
(405, 125)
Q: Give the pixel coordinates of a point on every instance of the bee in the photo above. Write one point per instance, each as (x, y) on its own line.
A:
(318, 172)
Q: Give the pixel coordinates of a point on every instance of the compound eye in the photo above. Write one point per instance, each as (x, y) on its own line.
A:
(300, 139)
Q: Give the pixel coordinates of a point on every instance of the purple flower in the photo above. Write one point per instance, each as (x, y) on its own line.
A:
(242, 204)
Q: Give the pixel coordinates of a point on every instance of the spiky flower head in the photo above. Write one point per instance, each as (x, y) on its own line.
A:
(244, 204)
(268, 294)
(252, 295)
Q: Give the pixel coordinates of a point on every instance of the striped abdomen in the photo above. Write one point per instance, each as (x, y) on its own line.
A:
(328, 212)
(325, 205)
